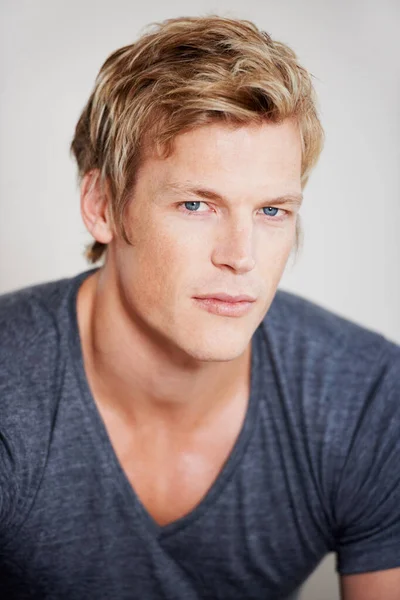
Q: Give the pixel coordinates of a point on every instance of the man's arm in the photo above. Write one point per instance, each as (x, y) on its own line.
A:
(367, 505)
(378, 585)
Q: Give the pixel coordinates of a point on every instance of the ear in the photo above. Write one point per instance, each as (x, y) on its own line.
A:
(95, 207)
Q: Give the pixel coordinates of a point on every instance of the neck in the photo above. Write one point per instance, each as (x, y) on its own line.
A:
(140, 377)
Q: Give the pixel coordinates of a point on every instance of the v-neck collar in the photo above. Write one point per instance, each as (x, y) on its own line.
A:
(101, 437)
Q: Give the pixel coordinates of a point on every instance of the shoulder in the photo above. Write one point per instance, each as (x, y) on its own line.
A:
(310, 338)
(312, 322)
(340, 384)
(32, 321)
(34, 328)
(339, 381)
(33, 336)
(29, 335)
(25, 312)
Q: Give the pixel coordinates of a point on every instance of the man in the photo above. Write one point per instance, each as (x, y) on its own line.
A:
(171, 425)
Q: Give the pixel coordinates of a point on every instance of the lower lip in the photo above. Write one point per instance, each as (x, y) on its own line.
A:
(226, 309)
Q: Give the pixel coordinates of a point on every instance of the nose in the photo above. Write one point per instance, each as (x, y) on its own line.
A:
(234, 247)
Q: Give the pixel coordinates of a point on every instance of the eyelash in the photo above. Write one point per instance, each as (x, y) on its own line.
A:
(273, 217)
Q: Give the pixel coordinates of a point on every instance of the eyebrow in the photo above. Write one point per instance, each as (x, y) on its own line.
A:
(208, 194)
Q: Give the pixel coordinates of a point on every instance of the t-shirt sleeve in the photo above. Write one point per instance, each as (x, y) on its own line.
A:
(368, 497)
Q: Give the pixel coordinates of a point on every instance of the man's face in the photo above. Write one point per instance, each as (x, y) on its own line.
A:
(200, 224)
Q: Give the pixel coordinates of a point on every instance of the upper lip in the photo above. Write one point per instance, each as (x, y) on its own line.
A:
(228, 298)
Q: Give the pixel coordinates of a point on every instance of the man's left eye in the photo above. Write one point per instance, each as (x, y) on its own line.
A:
(271, 208)
(191, 206)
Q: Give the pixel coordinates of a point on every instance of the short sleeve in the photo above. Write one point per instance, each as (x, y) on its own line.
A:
(367, 503)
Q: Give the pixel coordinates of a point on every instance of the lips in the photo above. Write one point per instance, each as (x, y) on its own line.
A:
(227, 298)
(226, 308)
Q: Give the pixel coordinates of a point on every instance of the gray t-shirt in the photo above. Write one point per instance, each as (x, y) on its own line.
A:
(315, 468)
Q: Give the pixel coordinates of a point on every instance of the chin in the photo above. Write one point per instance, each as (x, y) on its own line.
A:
(214, 348)
(215, 355)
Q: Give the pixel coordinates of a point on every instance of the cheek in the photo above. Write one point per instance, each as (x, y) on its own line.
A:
(161, 263)
(274, 247)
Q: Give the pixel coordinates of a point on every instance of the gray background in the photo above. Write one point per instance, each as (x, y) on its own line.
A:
(51, 51)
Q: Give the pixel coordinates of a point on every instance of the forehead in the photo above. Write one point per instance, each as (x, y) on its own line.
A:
(268, 143)
(238, 159)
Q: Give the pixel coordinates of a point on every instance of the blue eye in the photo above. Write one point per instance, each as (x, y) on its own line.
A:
(270, 208)
(191, 207)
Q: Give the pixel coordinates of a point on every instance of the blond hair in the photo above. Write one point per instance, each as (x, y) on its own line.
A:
(183, 73)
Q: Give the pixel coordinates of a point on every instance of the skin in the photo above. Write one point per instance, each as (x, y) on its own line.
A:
(379, 585)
